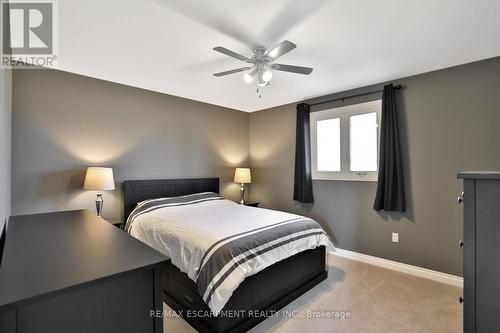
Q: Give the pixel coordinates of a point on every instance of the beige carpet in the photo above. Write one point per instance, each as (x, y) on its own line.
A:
(378, 300)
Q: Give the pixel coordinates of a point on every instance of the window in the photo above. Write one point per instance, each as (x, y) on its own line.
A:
(345, 142)
(328, 144)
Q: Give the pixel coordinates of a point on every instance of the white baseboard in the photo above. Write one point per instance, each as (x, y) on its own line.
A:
(400, 267)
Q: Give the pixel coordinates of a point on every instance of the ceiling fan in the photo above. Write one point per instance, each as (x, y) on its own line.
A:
(261, 63)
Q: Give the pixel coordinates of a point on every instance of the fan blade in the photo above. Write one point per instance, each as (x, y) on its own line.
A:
(231, 53)
(232, 71)
(283, 48)
(293, 69)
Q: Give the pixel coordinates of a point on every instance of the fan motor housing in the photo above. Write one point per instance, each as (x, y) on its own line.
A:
(260, 55)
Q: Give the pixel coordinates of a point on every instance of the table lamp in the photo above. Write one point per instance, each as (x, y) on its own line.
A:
(242, 176)
(99, 179)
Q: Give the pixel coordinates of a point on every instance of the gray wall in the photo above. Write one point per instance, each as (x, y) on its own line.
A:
(5, 144)
(63, 123)
(450, 121)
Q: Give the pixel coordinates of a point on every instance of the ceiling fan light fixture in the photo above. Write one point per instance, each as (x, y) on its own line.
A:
(248, 78)
(261, 82)
(267, 75)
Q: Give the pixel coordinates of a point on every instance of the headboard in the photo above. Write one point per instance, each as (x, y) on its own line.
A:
(135, 191)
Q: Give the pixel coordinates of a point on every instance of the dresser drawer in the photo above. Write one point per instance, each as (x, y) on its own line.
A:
(186, 296)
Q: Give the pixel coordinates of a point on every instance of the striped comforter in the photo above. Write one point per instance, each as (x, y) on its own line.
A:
(219, 243)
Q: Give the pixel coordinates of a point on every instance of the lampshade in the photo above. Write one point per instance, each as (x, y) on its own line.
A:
(242, 175)
(99, 179)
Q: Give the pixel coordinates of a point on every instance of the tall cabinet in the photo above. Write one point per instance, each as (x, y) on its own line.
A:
(481, 246)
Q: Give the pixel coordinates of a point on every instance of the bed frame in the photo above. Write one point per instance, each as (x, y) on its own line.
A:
(266, 291)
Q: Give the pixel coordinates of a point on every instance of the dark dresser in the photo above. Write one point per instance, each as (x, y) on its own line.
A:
(74, 272)
(481, 246)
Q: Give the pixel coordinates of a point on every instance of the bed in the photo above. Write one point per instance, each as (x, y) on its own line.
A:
(256, 297)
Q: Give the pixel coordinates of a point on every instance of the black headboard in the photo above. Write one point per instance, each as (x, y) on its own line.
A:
(135, 191)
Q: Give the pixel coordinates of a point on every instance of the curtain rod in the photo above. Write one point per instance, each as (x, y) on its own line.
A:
(352, 96)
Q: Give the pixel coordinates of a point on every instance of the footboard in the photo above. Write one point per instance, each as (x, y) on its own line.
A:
(269, 290)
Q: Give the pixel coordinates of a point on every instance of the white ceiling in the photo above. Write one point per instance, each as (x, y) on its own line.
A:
(166, 45)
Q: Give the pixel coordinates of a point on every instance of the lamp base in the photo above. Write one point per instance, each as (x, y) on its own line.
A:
(242, 193)
(99, 203)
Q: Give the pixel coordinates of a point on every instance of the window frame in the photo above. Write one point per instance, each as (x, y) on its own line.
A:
(344, 113)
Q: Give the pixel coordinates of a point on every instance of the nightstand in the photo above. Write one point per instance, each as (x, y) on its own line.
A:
(117, 223)
(252, 204)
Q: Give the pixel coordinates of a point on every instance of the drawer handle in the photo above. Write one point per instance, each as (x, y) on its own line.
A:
(460, 300)
(461, 243)
(460, 198)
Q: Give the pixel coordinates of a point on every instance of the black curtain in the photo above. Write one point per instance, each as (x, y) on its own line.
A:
(390, 189)
(302, 189)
